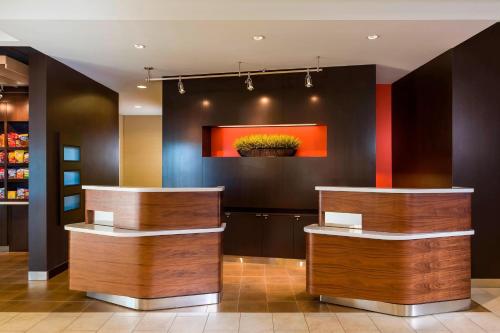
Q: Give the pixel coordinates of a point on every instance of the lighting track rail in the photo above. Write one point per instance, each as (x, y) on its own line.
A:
(235, 74)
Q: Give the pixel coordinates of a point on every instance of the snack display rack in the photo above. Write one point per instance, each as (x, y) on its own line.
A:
(14, 161)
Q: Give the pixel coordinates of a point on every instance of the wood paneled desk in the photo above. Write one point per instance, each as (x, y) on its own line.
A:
(403, 252)
(148, 248)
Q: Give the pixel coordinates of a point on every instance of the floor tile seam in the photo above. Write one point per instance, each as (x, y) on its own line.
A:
(446, 326)
(380, 328)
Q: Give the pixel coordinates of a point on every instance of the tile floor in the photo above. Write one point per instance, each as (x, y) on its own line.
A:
(260, 296)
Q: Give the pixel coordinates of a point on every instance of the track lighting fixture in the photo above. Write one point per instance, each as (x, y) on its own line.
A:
(249, 82)
(180, 86)
(309, 82)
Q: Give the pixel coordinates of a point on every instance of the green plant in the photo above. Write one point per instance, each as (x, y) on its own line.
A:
(266, 141)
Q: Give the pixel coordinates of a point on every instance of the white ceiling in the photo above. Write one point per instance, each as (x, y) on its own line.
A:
(193, 37)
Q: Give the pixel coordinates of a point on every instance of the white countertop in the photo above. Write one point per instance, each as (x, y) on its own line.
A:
(394, 190)
(117, 232)
(14, 203)
(358, 233)
(153, 189)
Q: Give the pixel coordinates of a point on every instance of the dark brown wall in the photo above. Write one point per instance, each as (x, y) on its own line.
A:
(476, 141)
(63, 100)
(345, 103)
(421, 126)
(474, 102)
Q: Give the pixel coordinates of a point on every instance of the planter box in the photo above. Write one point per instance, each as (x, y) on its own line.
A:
(267, 152)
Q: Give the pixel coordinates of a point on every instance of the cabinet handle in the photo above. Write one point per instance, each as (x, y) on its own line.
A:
(228, 215)
(297, 217)
(265, 216)
(258, 215)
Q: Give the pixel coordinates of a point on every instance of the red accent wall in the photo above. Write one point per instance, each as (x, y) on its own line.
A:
(313, 139)
(383, 136)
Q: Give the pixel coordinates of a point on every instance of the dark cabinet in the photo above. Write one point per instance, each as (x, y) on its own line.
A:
(267, 235)
(14, 228)
(243, 234)
(299, 236)
(277, 236)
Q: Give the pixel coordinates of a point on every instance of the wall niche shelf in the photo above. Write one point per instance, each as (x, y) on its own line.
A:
(218, 140)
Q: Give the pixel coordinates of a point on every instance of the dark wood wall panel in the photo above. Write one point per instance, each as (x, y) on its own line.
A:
(343, 98)
(471, 70)
(421, 126)
(400, 272)
(63, 100)
(476, 139)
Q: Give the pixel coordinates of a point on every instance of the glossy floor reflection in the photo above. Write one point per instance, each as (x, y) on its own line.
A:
(260, 295)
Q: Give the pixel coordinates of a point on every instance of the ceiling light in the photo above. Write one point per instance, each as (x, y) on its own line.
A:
(142, 86)
(308, 80)
(180, 86)
(249, 82)
(139, 46)
(138, 106)
(259, 37)
(372, 37)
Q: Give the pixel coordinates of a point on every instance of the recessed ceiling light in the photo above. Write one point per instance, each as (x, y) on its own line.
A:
(372, 37)
(142, 86)
(139, 46)
(259, 37)
(138, 106)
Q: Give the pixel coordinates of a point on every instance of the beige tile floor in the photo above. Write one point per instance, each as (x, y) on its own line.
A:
(260, 296)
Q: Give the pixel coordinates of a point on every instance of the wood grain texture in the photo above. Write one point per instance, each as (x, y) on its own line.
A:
(158, 210)
(146, 267)
(405, 213)
(344, 101)
(400, 272)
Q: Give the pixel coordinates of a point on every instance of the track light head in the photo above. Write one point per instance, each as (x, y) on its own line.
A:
(308, 80)
(1, 91)
(249, 83)
(180, 86)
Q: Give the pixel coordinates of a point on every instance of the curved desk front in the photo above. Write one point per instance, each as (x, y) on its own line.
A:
(398, 251)
(146, 249)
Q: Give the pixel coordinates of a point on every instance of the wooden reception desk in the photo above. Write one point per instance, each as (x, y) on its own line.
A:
(148, 248)
(403, 252)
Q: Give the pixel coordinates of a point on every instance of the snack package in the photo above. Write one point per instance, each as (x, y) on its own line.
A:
(12, 138)
(20, 174)
(26, 157)
(11, 173)
(26, 194)
(2, 193)
(23, 140)
(26, 173)
(19, 156)
(2, 156)
(2, 173)
(11, 195)
(2, 140)
(12, 157)
(21, 194)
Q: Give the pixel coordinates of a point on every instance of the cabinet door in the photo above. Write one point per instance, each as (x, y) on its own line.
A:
(243, 234)
(299, 236)
(277, 236)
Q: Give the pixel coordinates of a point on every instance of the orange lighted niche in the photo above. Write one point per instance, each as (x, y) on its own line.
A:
(312, 137)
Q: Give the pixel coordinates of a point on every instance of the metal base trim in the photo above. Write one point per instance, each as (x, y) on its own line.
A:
(38, 275)
(402, 310)
(157, 303)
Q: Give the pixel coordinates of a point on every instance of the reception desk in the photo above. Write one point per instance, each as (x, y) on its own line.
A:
(403, 252)
(148, 248)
